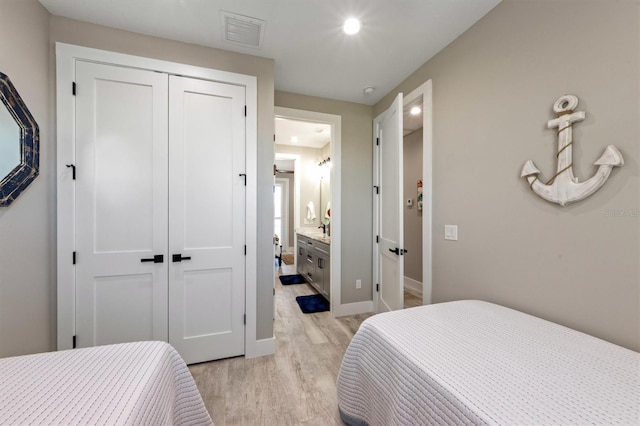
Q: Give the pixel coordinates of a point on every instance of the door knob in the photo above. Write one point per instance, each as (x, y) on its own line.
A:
(158, 258)
(179, 258)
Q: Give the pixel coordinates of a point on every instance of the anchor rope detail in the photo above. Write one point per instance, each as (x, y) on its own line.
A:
(565, 147)
(558, 174)
(568, 126)
(550, 181)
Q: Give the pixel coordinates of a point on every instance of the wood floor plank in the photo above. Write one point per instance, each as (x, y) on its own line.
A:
(297, 385)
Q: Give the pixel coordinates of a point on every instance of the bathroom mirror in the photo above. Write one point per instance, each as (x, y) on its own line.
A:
(19, 143)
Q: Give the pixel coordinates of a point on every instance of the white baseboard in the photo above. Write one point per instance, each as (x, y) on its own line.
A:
(261, 347)
(353, 308)
(412, 286)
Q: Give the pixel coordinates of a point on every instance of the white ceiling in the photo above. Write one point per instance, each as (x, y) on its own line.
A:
(312, 55)
(313, 135)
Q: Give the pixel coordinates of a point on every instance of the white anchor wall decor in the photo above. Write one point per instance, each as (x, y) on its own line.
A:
(563, 188)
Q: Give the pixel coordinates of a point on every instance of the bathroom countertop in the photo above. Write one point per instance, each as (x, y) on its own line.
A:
(314, 234)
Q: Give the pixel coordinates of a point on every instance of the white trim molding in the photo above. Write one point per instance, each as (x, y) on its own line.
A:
(262, 347)
(426, 91)
(355, 308)
(412, 286)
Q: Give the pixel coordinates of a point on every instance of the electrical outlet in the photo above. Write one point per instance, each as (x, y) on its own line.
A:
(358, 283)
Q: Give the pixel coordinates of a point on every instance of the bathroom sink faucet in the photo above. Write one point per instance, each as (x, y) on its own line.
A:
(324, 228)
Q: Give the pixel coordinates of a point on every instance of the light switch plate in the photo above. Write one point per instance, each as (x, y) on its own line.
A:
(451, 232)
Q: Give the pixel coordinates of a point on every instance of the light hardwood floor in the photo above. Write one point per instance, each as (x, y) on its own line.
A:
(297, 385)
(411, 300)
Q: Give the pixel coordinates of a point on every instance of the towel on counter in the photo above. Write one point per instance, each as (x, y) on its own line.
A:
(327, 212)
(311, 211)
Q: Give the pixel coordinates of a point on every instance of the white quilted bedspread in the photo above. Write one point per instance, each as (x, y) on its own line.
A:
(142, 383)
(473, 362)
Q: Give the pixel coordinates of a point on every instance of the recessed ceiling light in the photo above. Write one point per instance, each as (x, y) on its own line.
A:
(294, 139)
(368, 90)
(415, 110)
(351, 26)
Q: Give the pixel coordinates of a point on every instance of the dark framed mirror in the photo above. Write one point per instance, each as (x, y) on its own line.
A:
(19, 143)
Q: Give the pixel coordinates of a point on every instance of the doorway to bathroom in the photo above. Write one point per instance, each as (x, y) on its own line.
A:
(307, 158)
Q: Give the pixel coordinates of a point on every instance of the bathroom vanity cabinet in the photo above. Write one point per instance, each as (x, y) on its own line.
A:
(314, 262)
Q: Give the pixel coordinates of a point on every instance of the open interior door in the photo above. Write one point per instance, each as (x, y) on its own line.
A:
(388, 219)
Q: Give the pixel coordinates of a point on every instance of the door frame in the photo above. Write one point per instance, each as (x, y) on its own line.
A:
(66, 57)
(426, 91)
(335, 121)
(285, 212)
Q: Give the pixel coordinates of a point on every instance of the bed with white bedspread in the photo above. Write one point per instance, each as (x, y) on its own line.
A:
(473, 362)
(142, 383)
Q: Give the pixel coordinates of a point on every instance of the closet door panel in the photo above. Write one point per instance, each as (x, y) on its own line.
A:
(207, 218)
(124, 166)
(208, 170)
(121, 204)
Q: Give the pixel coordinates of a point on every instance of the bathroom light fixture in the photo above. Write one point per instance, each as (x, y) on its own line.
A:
(294, 139)
(325, 161)
(368, 90)
(415, 110)
(351, 26)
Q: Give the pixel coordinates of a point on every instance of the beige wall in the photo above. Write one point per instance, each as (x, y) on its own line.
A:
(493, 91)
(27, 289)
(356, 197)
(412, 154)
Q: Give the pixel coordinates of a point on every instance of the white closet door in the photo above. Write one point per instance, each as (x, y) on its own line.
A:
(121, 205)
(207, 219)
(390, 259)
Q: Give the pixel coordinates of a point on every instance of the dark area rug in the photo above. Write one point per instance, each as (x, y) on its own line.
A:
(312, 303)
(291, 279)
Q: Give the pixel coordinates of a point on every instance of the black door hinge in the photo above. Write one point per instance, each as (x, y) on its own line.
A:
(245, 249)
(377, 239)
(377, 141)
(274, 138)
(245, 178)
(73, 342)
(244, 321)
(378, 287)
(73, 88)
(74, 257)
(377, 189)
(73, 170)
(245, 110)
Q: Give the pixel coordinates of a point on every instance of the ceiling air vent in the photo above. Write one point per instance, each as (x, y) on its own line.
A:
(242, 30)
